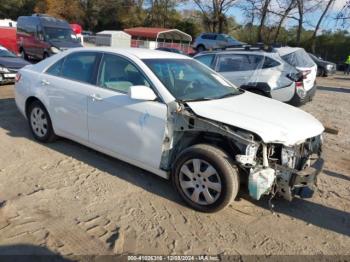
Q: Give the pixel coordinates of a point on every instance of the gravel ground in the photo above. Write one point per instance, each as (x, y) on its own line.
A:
(65, 198)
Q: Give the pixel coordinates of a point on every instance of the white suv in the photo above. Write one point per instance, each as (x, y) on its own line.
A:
(171, 115)
(257, 71)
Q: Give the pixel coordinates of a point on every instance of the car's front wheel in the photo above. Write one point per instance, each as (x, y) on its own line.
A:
(40, 122)
(205, 178)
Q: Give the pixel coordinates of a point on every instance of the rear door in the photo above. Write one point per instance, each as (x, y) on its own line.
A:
(240, 69)
(68, 84)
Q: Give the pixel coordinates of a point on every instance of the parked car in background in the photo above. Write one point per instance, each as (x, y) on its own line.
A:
(40, 36)
(8, 38)
(168, 49)
(208, 41)
(300, 59)
(263, 73)
(9, 65)
(173, 116)
(324, 68)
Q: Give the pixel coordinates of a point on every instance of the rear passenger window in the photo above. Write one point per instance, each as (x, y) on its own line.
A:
(238, 62)
(79, 67)
(269, 63)
(55, 69)
(206, 59)
(119, 74)
(209, 36)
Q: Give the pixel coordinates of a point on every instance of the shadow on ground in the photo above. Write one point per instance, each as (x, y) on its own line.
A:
(30, 253)
(334, 89)
(312, 213)
(336, 175)
(16, 126)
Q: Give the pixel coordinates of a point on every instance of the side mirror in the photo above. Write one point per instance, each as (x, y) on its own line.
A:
(142, 93)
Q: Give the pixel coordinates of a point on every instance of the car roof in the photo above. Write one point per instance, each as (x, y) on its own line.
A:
(141, 53)
(251, 52)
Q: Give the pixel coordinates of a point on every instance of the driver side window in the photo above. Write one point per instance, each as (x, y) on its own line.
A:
(118, 74)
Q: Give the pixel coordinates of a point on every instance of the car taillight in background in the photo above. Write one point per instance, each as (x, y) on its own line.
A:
(299, 88)
(18, 77)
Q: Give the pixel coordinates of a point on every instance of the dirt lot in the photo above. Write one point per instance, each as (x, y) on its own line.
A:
(68, 199)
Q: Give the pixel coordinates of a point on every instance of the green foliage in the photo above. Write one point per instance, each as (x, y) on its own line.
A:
(15, 8)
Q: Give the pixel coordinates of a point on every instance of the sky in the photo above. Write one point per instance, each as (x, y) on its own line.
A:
(329, 22)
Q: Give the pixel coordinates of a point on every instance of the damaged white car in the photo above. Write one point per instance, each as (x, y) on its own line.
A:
(170, 115)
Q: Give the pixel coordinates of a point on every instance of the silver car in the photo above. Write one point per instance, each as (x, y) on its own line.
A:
(260, 72)
(208, 41)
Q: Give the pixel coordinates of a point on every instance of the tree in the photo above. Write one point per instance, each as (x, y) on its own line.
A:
(263, 17)
(313, 38)
(291, 4)
(214, 13)
(14, 8)
(162, 13)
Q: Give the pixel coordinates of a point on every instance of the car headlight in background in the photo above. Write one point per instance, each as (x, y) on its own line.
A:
(329, 67)
(4, 70)
(54, 50)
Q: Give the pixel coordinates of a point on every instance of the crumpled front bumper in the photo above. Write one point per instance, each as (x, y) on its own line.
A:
(301, 183)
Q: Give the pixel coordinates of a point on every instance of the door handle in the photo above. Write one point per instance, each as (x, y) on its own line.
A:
(45, 82)
(96, 97)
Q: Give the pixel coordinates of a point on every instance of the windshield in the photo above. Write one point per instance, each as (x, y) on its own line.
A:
(60, 34)
(189, 80)
(299, 58)
(6, 53)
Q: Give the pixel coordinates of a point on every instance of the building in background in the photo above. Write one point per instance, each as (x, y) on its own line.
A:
(152, 38)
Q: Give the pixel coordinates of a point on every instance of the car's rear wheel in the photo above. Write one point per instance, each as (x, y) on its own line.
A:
(205, 178)
(200, 48)
(40, 123)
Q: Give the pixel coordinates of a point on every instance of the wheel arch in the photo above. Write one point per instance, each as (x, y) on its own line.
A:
(261, 87)
(29, 101)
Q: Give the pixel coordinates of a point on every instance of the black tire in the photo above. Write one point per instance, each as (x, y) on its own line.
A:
(49, 135)
(200, 48)
(222, 163)
(24, 55)
(46, 55)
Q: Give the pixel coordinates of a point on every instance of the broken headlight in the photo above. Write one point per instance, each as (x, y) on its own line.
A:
(250, 154)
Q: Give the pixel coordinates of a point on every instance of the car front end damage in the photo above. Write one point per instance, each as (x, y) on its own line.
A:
(285, 171)
(270, 168)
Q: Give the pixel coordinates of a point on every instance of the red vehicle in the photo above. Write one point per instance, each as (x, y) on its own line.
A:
(77, 29)
(8, 38)
(40, 36)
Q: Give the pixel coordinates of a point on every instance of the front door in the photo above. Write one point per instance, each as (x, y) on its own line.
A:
(132, 130)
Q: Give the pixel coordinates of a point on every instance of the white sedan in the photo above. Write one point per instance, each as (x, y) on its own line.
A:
(171, 115)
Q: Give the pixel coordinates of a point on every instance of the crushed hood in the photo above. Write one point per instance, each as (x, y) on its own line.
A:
(273, 121)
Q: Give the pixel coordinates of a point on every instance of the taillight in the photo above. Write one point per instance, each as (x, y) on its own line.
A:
(299, 85)
(18, 77)
(299, 88)
(306, 73)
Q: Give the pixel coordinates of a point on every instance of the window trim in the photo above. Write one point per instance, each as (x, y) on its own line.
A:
(230, 54)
